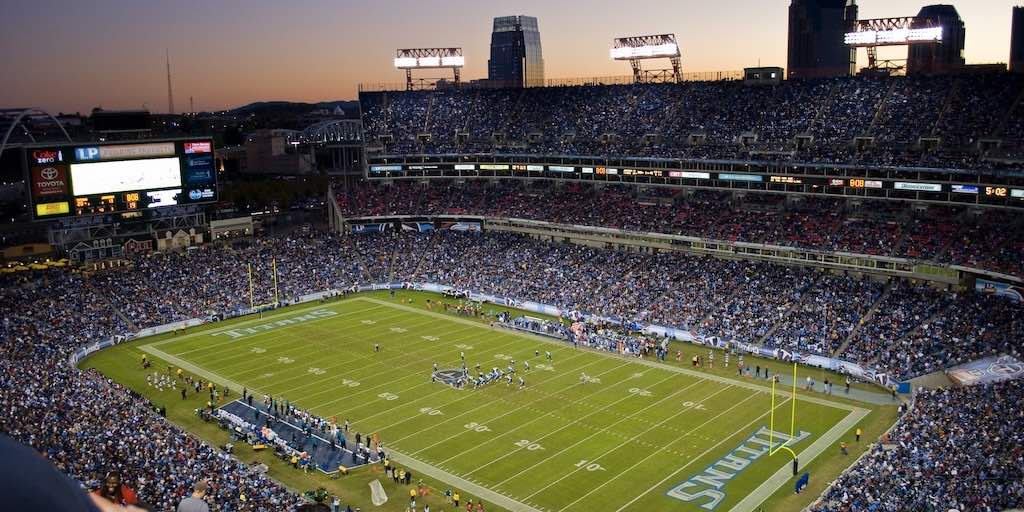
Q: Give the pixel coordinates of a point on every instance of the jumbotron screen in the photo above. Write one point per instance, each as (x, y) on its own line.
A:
(88, 179)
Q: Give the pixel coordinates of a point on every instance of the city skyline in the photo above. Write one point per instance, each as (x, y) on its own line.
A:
(226, 54)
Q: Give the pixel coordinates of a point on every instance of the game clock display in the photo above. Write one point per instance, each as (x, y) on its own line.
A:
(80, 180)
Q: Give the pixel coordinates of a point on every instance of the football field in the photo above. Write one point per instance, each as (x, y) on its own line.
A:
(590, 431)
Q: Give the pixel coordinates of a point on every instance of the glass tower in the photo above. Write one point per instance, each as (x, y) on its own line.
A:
(1017, 41)
(816, 32)
(516, 59)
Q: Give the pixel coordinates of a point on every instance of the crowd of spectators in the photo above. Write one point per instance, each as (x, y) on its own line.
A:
(904, 329)
(89, 426)
(210, 280)
(597, 334)
(717, 120)
(957, 449)
(990, 240)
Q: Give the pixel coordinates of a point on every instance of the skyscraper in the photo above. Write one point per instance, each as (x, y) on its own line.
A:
(945, 57)
(816, 38)
(516, 59)
(1017, 41)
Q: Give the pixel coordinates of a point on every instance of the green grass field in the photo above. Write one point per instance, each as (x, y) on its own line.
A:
(621, 441)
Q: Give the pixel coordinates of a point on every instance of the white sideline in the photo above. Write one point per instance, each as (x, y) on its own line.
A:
(747, 504)
(657, 451)
(469, 487)
(652, 364)
(770, 485)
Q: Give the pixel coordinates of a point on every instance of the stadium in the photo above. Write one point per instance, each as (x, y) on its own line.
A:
(778, 289)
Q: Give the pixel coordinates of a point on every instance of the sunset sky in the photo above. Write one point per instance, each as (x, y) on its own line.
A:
(74, 55)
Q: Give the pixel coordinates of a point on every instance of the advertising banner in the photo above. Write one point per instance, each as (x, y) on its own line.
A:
(199, 170)
(987, 371)
(363, 229)
(464, 226)
(422, 227)
(1012, 292)
(49, 180)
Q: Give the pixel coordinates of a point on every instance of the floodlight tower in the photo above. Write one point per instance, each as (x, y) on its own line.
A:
(903, 31)
(637, 48)
(429, 58)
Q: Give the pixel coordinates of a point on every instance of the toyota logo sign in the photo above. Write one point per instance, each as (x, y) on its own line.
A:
(48, 173)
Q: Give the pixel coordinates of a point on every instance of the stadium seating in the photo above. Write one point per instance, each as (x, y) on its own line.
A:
(89, 425)
(989, 240)
(958, 449)
(956, 110)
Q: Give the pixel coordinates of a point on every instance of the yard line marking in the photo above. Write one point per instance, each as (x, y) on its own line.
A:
(456, 481)
(405, 390)
(570, 422)
(388, 360)
(348, 359)
(517, 409)
(666, 420)
(205, 330)
(279, 337)
(553, 455)
(245, 375)
(364, 390)
(193, 368)
(474, 395)
(653, 364)
(560, 344)
(213, 345)
(688, 464)
(441, 391)
(207, 374)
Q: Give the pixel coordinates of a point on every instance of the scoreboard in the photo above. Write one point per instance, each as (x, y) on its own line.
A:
(75, 180)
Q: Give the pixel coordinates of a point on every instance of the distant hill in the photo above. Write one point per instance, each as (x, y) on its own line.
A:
(264, 108)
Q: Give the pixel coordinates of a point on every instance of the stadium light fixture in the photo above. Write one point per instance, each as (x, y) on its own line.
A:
(411, 59)
(405, 62)
(646, 52)
(895, 32)
(637, 48)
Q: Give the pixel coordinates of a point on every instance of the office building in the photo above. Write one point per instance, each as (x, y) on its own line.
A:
(945, 57)
(1017, 41)
(516, 58)
(816, 38)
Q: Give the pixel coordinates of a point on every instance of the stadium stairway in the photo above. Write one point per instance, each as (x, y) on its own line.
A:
(124, 318)
(881, 107)
(426, 250)
(947, 105)
(822, 108)
(1001, 127)
(716, 305)
(792, 307)
(426, 117)
(863, 320)
(927, 321)
(361, 258)
(395, 249)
